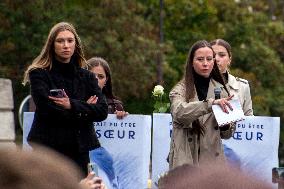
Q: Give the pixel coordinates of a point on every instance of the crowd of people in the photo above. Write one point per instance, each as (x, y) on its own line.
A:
(71, 93)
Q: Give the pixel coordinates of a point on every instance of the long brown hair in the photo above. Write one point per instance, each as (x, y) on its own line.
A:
(98, 61)
(224, 44)
(44, 59)
(188, 77)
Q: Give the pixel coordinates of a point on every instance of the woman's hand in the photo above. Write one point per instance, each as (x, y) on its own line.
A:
(224, 103)
(92, 100)
(92, 182)
(63, 101)
(121, 114)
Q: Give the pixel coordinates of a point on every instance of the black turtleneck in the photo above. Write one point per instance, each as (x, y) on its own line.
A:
(201, 84)
(67, 71)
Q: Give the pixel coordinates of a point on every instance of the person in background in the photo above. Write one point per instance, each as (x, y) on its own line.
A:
(63, 119)
(196, 136)
(237, 86)
(101, 69)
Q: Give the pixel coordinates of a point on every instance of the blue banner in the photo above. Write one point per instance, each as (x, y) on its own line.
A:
(254, 147)
(124, 159)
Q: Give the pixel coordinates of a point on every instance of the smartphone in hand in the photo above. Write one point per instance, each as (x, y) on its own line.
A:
(59, 93)
(92, 167)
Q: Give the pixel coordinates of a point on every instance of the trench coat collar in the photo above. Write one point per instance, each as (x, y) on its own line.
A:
(232, 82)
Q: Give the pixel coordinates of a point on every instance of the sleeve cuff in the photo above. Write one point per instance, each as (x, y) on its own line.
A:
(209, 102)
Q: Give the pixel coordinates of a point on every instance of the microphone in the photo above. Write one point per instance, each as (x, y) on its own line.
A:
(217, 92)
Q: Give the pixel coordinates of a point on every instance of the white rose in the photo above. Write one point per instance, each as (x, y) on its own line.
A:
(158, 90)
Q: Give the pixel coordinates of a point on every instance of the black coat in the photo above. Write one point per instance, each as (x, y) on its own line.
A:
(59, 128)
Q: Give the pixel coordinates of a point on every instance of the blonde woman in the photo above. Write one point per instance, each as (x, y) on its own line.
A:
(67, 97)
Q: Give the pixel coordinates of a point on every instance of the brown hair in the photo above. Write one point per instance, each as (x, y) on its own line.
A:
(188, 77)
(44, 59)
(98, 61)
(223, 43)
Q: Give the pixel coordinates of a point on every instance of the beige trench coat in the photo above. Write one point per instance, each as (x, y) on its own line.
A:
(241, 90)
(186, 145)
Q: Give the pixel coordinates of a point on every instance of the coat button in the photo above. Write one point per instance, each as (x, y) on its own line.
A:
(189, 139)
(216, 127)
(217, 154)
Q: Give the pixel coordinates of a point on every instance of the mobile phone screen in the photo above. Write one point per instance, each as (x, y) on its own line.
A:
(92, 167)
(56, 93)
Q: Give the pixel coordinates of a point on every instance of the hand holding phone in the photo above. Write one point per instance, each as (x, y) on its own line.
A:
(92, 181)
(58, 93)
(92, 167)
(60, 98)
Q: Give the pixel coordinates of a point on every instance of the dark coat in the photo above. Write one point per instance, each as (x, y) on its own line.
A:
(57, 127)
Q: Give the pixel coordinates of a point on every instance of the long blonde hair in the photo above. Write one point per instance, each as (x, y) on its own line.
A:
(44, 59)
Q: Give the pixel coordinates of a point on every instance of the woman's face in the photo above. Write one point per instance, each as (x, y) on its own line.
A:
(203, 61)
(100, 75)
(222, 58)
(64, 46)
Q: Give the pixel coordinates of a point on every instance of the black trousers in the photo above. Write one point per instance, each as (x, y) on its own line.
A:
(81, 159)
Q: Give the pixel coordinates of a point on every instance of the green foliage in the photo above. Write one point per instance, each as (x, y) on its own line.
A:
(126, 34)
(124, 39)
(22, 34)
(255, 37)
